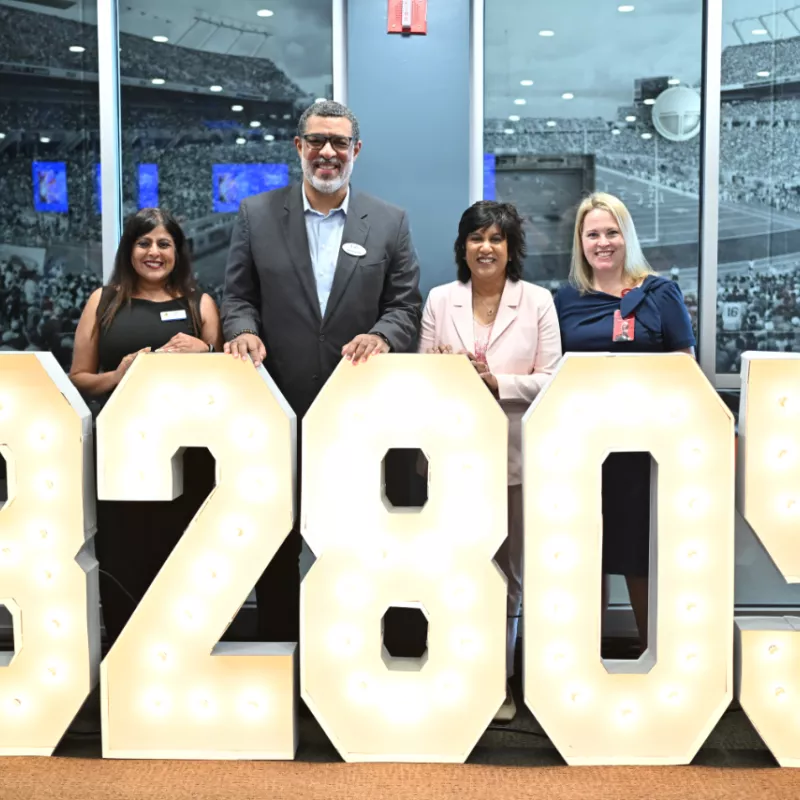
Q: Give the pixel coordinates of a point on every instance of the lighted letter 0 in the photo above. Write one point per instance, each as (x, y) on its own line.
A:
(48, 578)
(768, 648)
(164, 693)
(372, 706)
(658, 710)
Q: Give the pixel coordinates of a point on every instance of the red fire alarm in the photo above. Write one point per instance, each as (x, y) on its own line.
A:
(408, 16)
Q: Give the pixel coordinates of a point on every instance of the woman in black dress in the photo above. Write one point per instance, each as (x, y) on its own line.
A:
(615, 303)
(150, 304)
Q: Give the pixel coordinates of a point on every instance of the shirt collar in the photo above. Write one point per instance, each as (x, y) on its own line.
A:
(343, 207)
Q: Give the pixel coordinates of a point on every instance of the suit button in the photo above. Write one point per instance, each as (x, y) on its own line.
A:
(315, 377)
(322, 337)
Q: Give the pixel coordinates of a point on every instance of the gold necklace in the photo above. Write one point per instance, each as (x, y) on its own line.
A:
(490, 312)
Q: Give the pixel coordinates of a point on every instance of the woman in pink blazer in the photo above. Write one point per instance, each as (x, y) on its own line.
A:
(509, 330)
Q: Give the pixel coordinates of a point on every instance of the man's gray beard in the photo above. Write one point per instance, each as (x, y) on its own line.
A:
(327, 187)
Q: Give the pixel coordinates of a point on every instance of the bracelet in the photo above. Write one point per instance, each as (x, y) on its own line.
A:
(381, 336)
(243, 331)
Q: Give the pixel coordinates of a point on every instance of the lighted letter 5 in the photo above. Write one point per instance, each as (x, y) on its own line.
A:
(660, 709)
(371, 557)
(169, 690)
(48, 578)
(768, 648)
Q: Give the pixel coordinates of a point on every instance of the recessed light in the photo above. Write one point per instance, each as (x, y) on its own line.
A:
(526, 82)
(625, 9)
(158, 81)
(674, 81)
(2, 135)
(630, 118)
(76, 48)
(265, 12)
(615, 131)
(649, 102)
(241, 140)
(519, 102)
(237, 108)
(273, 116)
(255, 124)
(547, 33)
(647, 136)
(215, 88)
(161, 39)
(764, 73)
(287, 116)
(567, 96)
(321, 100)
(44, 139)
(269, 137)
(513, 118)
(551, 123)
(759, 31)
(508, 130)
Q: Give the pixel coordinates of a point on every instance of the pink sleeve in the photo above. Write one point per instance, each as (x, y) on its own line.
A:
(427, 333)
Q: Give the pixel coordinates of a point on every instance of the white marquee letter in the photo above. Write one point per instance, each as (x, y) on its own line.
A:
(660, 709)
(169, 689)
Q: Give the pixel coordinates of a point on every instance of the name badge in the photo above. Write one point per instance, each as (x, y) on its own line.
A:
(171, 316)
(354, 249)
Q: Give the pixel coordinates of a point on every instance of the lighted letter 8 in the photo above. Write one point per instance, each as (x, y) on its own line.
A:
(48, 580)
(164, 693)
(373, 707)
(661, 709)
(768, 649)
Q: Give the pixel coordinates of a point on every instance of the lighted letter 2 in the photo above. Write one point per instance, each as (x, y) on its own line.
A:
(660, 709)
(48, 575)
(370, 557)
(168, 689)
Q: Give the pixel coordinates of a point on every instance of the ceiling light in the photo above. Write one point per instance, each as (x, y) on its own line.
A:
(526, 82)
(76, 48)
(2, 136)
(630, 118)
(161, 39)
(615, 131)
(269, 137)
(513, 118)
(508, 130)
(215, 88)
(567, 96)
(647, 136)
(287, 116)
(764, 73)
(265, 12)
(674, 81)
(625, 9)
(44, 139)
(519, 102)
(158, 81)
(237, 108)
(649, 102)
(551, 123)
(321, 100)
(759, 32)
(255, 124)
(241, 140)
(547, 33)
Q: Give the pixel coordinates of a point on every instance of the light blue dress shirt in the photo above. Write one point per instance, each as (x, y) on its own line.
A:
(324, 240)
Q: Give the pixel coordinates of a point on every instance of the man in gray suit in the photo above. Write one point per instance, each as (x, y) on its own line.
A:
(316, 272)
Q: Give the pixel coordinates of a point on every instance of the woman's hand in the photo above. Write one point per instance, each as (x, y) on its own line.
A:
(183, 343)
(481, 367)
(491, 381)
(443, 349)
(126, 362)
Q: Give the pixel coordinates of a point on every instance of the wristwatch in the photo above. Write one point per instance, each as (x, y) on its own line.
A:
(381, 336)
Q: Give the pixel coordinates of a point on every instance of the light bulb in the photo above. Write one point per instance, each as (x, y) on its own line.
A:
(781, 696)
(692, 555)
(465, 642)
(448, 688)
(671, 696)
(157, 702)
(252, 705)
(203, 705)
(774, 650)
(345, 640)
(361, 689)
(41, 436)
(256, 485)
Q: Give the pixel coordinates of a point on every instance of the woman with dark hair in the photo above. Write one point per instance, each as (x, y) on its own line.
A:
(509, 331)
(150, 304)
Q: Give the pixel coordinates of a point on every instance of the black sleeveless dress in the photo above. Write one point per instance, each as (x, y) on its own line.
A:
(134, 539)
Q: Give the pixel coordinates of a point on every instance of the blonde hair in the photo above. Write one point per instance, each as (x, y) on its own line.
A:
(635, 267)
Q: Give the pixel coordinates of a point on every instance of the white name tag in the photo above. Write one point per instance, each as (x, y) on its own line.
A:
(354, 249)
(171, 316)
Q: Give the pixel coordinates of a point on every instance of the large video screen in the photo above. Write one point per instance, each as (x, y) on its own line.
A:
(234, 182)
(148, 185)
(50, 186)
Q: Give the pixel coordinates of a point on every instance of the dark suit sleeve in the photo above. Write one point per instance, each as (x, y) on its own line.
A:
(401, 301)
(242, 297)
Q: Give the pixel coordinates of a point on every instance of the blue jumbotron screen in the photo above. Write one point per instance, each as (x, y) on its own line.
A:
(148, 186)
(234, 182)
(50, 186)
(488, 177)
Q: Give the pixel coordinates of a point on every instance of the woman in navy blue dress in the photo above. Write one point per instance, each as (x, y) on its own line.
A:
(615, 303)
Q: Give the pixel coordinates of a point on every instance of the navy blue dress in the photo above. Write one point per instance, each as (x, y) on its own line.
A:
(662, 325)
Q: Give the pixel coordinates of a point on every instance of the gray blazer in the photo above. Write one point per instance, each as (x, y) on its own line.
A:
(270, 287)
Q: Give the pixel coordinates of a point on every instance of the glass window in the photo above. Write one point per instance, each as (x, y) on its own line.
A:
(759, 225)
(583, 96)
(210, 105)
(49, 152)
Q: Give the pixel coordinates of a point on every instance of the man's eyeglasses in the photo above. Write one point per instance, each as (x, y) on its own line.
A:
(316, 141)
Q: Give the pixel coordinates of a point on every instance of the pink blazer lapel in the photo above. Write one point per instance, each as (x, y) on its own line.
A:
(461, 301)
(507, 311)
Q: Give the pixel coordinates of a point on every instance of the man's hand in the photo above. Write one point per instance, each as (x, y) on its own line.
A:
(364, 346)
(247, 344)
